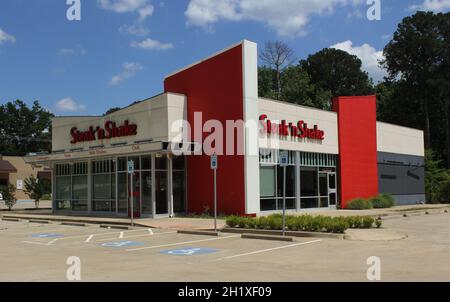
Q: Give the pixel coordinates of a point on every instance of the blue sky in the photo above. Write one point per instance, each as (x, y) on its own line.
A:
(120, 50)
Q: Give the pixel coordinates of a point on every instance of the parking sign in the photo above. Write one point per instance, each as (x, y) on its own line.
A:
(284, 158)
(131, 167)
(214, 162)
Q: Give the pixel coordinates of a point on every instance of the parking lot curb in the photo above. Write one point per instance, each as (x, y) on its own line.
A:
(79, 224)
(11, 219)
(267, 237)
(119, 227)
(72, 220)
(193, 232)
(38, 221)
(279, 233)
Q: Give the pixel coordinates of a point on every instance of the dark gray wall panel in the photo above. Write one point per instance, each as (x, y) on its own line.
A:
(402, 176)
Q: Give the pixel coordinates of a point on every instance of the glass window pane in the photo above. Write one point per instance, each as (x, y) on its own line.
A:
(308, 203)
(179, 205)
(147, 192)
(161, 163)
(122, 164)
(290, 181)
(101, 186)
(323, 184)
(268, 204)
(146, 162)
(63, 184)
(267, 181)
(79, 188)
(308, 183)
(122, 192)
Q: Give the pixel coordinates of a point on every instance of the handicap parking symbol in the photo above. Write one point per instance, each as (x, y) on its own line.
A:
(118, 244)
(47, 235)
(189, 251)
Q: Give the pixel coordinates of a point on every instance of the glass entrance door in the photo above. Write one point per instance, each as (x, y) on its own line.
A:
(332, 189)
(161, 185)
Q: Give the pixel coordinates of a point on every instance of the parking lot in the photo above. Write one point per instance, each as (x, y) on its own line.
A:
(39, 252)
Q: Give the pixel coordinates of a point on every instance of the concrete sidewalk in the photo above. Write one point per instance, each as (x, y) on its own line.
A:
(203, 224)
(163, 223)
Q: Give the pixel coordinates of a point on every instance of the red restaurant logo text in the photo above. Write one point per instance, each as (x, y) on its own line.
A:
(111, 130)
(299, 130)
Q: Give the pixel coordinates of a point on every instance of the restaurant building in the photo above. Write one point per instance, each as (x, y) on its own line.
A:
(334, 156)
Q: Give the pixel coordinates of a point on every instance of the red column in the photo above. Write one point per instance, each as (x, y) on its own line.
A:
(358, 168)
(214, 87)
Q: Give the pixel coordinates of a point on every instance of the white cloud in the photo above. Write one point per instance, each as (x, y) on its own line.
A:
(142, 7)
(369, 56)
(69, 105)
(136, 29)
(150, 44)
(5, 37)
(129, 70)
(77, 51)
(432, 5)
(287, 17)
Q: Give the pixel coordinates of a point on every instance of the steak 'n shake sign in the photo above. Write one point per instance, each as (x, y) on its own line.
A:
(109, 131)
(284, 129)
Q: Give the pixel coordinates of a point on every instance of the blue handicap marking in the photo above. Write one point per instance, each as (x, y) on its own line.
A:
(189, 251)
(47, 235)
(118, 244)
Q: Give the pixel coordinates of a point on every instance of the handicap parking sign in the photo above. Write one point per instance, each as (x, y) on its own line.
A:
(189, 251)
(118, 244)
(47, 235)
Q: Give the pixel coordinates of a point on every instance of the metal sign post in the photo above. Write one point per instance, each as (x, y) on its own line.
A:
(284, 160)
(131, 173)
(214, 165)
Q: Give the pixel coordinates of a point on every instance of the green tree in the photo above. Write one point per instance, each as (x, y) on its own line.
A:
(436, 178)
(419, 56)
(266, 82)
(24, 129)
(338, 72)
(9, 196)
(34, 189)
(112, 110)
(298, 89)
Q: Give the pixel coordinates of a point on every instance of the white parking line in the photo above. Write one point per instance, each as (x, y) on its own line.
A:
(89, 238)
(121, 235)
(150, 231)
(181, 243)
(136, 236)
(36, 242)
(53, 241)
(268, 250)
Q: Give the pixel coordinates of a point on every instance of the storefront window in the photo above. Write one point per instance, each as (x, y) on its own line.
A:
(122, 190)
(103, 186)
(267, 181)
(147, 192)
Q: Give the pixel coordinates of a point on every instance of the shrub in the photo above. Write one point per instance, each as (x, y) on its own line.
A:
(9, 196)
(47, 197)
(305, 223)
(444, 192)
(359, 204)
(232, 221)
(389, 200)
(367, 222)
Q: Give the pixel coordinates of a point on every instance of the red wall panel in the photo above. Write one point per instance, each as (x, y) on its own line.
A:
(215, 88)
(357, 147)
